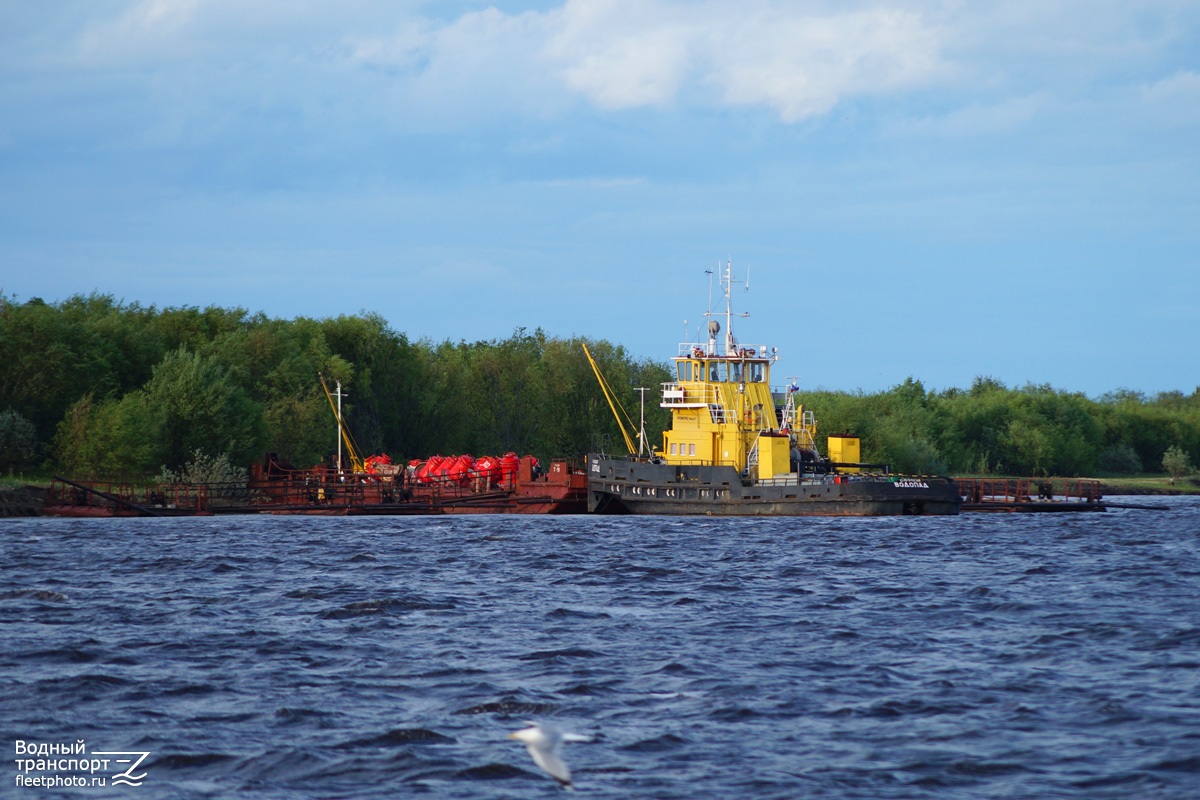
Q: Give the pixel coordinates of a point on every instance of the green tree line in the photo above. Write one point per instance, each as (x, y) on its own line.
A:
(93, 386)
(1034, 430)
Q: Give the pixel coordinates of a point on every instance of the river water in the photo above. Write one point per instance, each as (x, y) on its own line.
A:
(982, 656)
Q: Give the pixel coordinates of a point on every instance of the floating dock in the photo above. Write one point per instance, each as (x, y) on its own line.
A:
(69, 498)
(1025, 495)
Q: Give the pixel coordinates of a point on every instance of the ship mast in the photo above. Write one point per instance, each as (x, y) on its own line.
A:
(714, 327)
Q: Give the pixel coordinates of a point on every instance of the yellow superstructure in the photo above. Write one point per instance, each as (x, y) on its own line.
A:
(723, 412)
(719, 406)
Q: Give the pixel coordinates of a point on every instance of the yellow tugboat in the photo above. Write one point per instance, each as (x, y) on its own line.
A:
(732, 450)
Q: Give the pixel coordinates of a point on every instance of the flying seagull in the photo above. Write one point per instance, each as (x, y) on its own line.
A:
(544, 743)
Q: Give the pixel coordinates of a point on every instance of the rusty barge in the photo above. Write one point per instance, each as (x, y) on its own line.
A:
(385, 489)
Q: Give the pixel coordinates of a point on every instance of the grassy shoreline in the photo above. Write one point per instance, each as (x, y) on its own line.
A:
(1149, 486)
(1118, 484)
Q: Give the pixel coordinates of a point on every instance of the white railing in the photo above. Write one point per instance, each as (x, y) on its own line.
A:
(702, 350)
(676, 396)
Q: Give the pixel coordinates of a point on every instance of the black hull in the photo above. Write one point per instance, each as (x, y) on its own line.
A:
(621, 486)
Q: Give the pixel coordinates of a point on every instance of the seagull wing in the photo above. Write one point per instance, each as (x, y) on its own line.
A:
(547, 758)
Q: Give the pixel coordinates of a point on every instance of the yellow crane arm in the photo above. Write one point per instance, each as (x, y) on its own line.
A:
(356, 462)
(613, 403)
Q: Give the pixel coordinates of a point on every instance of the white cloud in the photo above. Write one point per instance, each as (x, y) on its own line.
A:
(1173, 101)
(155, 33)
(479, 65)
(621, 54)
(797, 59)
(152, 30)
(1181, 87)
(409, 47)
(382, 59)
(803, 64)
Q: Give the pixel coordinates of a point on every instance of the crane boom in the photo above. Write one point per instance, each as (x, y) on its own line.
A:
(613, 403)
(356, 461)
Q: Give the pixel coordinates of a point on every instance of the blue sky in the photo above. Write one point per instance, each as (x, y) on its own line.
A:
(941, 190)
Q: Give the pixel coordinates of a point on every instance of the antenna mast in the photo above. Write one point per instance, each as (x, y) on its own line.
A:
(727, 282)
(642, 430)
